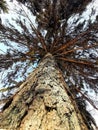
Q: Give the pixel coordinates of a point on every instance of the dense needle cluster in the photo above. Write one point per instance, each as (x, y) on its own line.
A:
(3, 6)
(74, 48)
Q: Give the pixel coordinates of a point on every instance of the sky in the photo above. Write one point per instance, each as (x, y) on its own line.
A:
(12, 15)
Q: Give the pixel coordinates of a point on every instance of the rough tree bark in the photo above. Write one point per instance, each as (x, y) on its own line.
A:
(42, 103)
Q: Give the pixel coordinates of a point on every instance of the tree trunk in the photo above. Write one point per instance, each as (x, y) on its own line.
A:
(42, 103)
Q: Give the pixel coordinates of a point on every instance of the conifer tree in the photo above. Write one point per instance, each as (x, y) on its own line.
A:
(73, 48)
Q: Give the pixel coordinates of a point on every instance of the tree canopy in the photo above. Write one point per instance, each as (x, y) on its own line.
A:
(74, 46)
(3, 6)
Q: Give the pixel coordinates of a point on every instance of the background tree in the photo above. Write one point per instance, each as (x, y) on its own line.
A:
(75, 48)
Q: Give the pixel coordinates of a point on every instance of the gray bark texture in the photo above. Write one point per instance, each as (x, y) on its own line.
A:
(42, 102)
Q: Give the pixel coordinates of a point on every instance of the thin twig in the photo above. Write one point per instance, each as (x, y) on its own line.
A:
(40, 37)
(77, 62)
(73, 50)
(88, 99)
(73, 41)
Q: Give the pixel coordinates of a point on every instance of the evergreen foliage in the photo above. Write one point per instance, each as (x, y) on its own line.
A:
(75, 48)
(3, 6)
